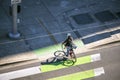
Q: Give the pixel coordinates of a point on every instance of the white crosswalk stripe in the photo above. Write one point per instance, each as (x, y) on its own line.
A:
(20, 73)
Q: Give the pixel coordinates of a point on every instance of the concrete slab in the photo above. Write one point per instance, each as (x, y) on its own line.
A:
(94, 34)
(32, 29)
(114, 28)
(4, 19)
(3, 35)
(105, 16)
(112, 39)
(118, 14)
(31, 3)
(18, 58)
(13, 48)
(34, 8)
(83, 19)
(40, 42)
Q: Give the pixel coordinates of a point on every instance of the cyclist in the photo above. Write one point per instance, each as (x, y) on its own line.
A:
(68, 43)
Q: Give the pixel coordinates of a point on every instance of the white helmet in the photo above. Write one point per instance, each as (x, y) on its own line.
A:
(68, 34)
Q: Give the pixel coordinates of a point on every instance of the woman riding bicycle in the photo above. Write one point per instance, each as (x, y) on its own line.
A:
(68, 43)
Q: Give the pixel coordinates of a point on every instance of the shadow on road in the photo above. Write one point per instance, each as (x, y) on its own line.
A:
(58, 61)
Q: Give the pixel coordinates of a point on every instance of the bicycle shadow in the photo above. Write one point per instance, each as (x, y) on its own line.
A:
(58, 61)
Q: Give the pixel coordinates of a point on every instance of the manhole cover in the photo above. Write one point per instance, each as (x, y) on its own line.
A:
(105, 16)
(118, 14)
(83, 19)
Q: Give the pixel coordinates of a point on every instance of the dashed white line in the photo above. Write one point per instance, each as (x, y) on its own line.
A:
(20, 73)
(99, 71)
(95, 57)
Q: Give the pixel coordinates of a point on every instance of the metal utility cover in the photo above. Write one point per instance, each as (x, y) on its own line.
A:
(105, 16)
(83, 18)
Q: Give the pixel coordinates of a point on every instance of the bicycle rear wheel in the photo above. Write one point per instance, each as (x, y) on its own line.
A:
(74, 59)
(59, 53)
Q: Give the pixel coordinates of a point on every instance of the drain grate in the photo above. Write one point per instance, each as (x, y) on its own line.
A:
(105, 16)
(83, 19)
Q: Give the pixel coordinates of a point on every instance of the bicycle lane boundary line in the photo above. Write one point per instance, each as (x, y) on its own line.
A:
(20, 73)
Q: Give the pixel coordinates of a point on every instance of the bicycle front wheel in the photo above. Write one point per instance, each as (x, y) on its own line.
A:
(59, 53)
(74, 59)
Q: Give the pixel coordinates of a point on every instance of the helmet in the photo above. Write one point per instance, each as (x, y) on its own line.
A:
(68, 34)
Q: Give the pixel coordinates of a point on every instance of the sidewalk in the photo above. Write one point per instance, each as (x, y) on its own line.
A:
(52, 20)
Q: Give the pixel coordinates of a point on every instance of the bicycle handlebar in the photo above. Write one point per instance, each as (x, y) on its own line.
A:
(62, 46)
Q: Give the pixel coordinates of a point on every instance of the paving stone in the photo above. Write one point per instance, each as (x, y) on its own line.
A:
(31, 3)
(83, 19)
(4, 19)
(92, 30)
(13, 48)
(28, 20)
(55, 27)
(96, 38)
(32, 29)
(105, 16)
(40, 42)
(114, 28)
(93, 34)
(118, 14)
(4, 35)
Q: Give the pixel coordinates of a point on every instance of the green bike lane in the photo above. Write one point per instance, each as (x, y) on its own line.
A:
(77, 75)
(103, 61)
(51, 49)
(81, 75)
(59, 65)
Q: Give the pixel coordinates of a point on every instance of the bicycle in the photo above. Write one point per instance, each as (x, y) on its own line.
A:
(62, 54)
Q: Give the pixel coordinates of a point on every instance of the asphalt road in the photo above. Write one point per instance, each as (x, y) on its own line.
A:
(110, 58)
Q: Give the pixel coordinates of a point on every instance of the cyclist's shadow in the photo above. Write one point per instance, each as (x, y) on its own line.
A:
(58, 61)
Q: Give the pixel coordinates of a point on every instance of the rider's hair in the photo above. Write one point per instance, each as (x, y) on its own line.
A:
(68, 34)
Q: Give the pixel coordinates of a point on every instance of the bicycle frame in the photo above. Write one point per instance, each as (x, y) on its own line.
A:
(61, 54)
(71, 53)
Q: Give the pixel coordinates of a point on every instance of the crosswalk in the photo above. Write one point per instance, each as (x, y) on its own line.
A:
(80, 61)
(78, 75)
(58, 66)
(82, 75)
(20, 73)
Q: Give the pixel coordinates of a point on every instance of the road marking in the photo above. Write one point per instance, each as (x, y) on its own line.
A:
(95, 57)
(99, 71)
(80, 75)
(20, 73)
(80, 61)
